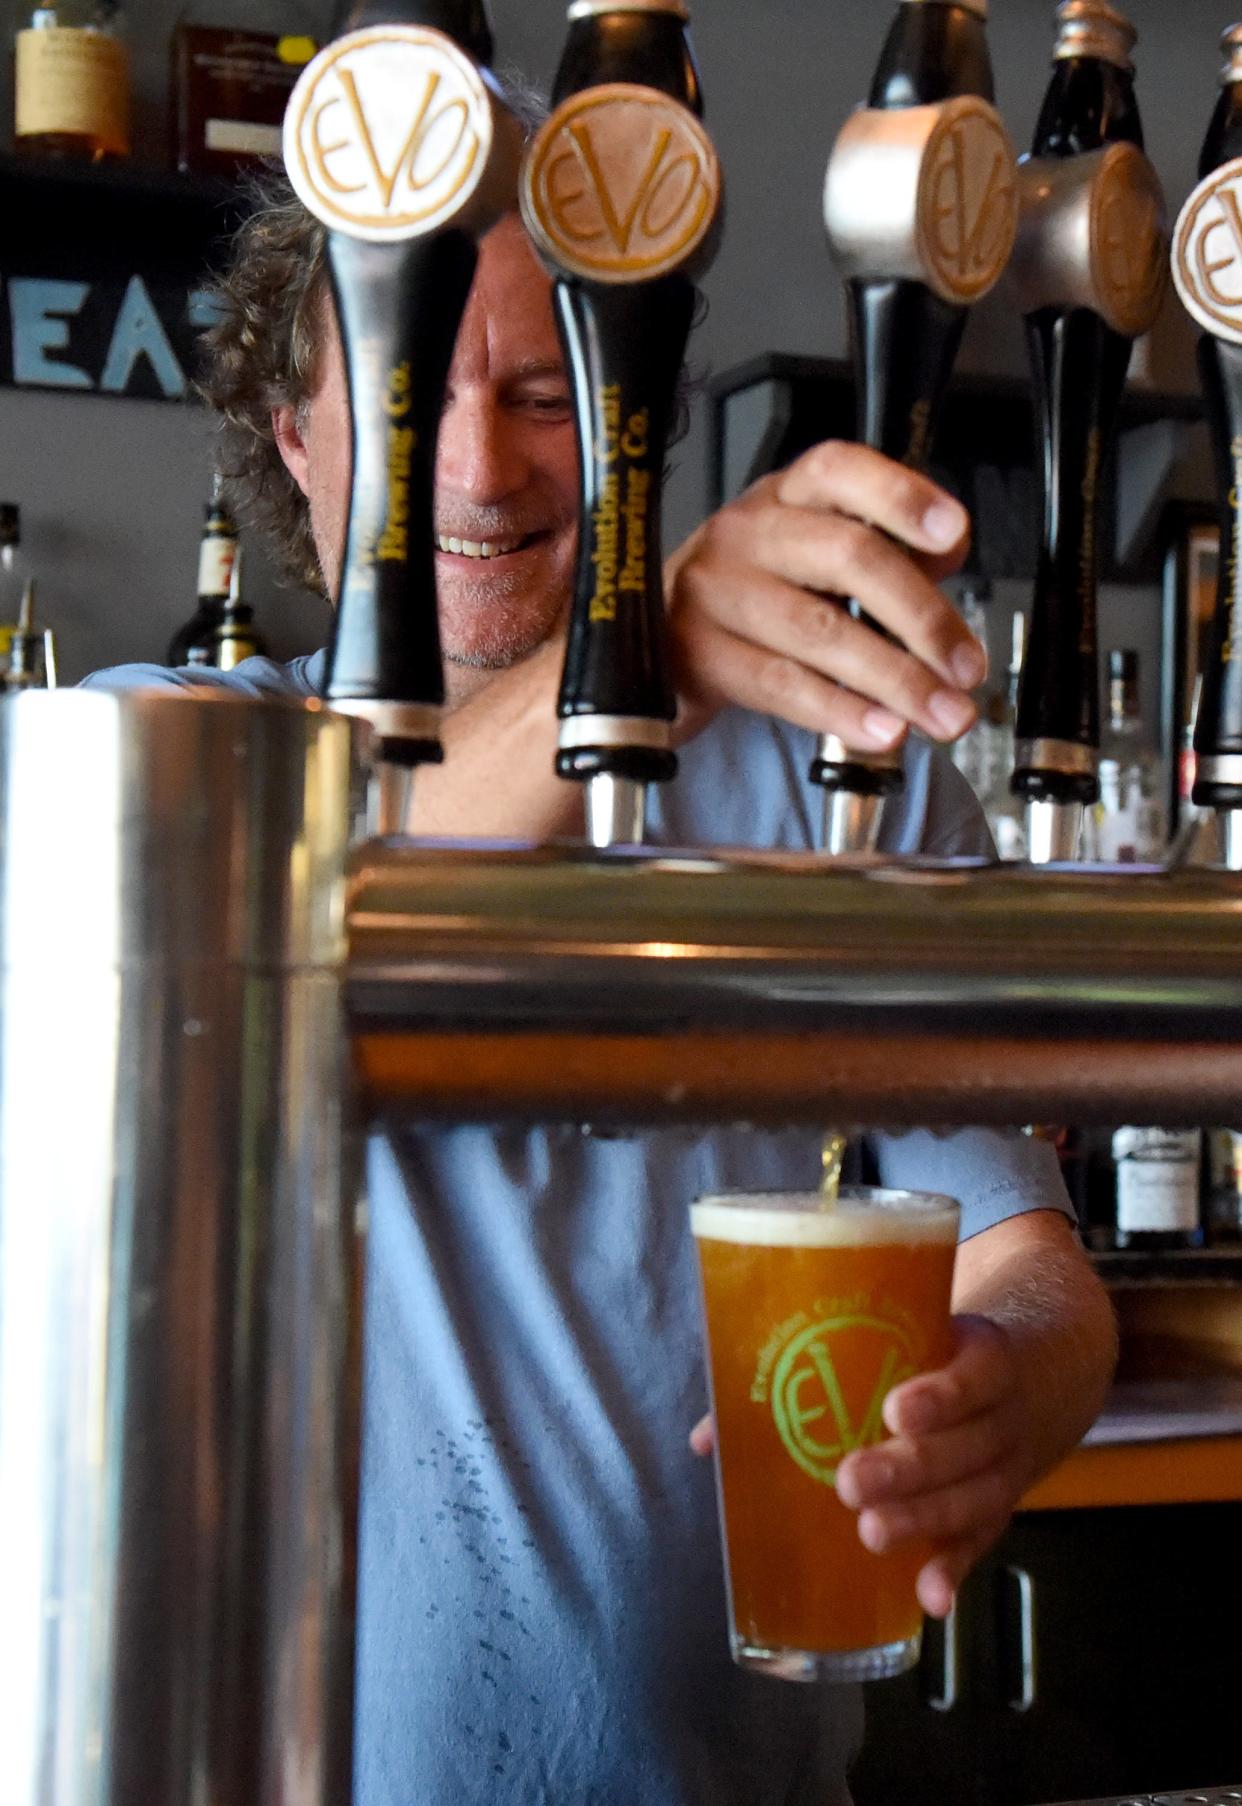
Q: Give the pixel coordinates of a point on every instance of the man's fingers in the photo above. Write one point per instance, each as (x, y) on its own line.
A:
(979, 1376)
(945, 1514)
(908, 1466)
(890, 496)
(703, 1436)
(940, 1578)
(832, 554)
(760, 641)
(730, 670)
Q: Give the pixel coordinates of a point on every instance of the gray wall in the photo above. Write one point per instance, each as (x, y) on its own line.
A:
(113, 490)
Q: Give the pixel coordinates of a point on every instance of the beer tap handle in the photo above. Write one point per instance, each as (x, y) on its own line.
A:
(398, 141)
(621, 197)
(1089, 272)
(921, 211)
(1207, 259)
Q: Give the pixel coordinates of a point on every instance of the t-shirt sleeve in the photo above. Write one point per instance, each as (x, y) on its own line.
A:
(993, 1173)
(140, 677)
(255, 677)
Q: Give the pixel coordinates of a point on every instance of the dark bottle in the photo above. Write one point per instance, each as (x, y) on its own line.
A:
(1222, 1186)
(1207, 288)
(234, 65)
(920, 209)
(626, 100)
(235, 636)
(217, 557)
(1158, 1188)
(1084, 309)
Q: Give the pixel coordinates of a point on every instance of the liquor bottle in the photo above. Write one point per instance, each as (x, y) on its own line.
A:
(72, 82)
(1005, 812)
(217, 556)
(1222, 1185)
(234, 65)
(30, 654)
(1158, 1188)
(1127, 825)
(27, 652)
(235, 636)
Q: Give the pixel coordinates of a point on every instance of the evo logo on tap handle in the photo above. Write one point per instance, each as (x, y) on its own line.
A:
(398, 141)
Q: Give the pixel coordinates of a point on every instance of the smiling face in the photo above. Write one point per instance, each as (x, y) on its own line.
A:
(506, 504)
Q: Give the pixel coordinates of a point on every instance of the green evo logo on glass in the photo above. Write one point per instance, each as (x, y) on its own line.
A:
(819, 1418)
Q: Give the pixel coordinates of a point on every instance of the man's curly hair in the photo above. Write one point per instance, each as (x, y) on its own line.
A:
(263, 353)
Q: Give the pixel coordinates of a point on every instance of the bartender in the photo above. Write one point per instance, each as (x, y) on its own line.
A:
(541, 1615)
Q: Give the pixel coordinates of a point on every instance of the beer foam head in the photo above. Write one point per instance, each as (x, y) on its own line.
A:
(860, 1218)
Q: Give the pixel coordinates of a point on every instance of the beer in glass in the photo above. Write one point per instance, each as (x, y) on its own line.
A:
(812, 1316)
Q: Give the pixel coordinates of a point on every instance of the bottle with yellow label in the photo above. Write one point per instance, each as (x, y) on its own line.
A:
(234, 65)
(72, 94)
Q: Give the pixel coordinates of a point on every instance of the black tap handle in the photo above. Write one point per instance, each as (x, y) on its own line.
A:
(929, 137)
(1218, 727)
(621, 196)
(398, 141)
(624, 348)
(465, 21)
(1207, 264)
(1090, 272)
(1079, 369)
(399, 308)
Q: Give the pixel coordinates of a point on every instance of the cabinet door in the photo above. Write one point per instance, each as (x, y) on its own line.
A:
(1098, 1653)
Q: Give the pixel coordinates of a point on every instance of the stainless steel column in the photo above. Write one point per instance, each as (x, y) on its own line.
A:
(179, 1259)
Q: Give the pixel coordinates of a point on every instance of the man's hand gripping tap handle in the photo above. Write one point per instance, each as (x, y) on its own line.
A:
(921, 213)
(1090, 272)
(1207, 265)
(396, 138)
(621, 196)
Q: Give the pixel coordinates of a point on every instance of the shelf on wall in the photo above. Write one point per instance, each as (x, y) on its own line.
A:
(1130, 1270)
(768, 410)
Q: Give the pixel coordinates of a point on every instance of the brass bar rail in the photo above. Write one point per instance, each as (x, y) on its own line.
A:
(563, 983)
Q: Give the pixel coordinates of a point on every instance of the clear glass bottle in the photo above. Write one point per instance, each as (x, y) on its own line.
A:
(193, 642)
(1158, 1187)
(72, 95)
(1129, 823)
(1006, 813)
(234, 65)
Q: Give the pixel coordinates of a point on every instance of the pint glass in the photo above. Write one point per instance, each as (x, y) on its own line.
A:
(812, 1315)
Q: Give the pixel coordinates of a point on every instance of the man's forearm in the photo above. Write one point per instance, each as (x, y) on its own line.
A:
(1062, 1333)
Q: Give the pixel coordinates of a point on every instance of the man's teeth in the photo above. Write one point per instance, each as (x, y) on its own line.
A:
(476, 548)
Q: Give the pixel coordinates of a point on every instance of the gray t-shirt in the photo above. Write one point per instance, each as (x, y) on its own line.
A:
(541, 1611)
